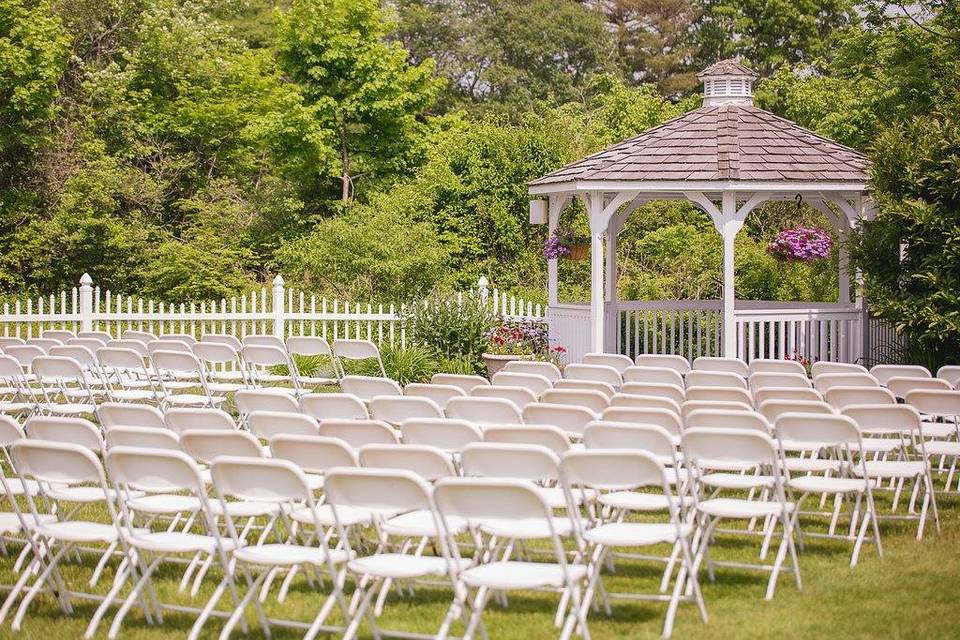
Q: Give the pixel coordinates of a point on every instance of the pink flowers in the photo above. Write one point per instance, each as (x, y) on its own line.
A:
(801, 244)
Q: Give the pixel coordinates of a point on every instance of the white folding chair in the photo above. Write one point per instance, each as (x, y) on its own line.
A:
(25, 355)
(762, 380)
(536, 383)
(690, 406)
(358, 433)
(429, 462)
(572, 420)
(727, 419)
(773, 409)
(141, 336)
(823, 367)
(841, 397)
(594, 372)
(883, 372)
(618, 361)
(135, 345)
(126, 414)
(222, 338)
(11, 341)
(186, 338)
(653, 375)
(269, 424)
(484, 412)
(141, 438)
(948, 372)
(900, 386)
(44, 343)
(548, 370)
(126, 376)
(263, 341)
(466, 382)
(340, 406)
(173, 364)
(586, 385)
(396, 409)
(64, 386)
(344, 349)
(663, 418)
(645, 402)
(265, 364)
(224, 368)
(318, 350)
(90, 343)
(592, 400)
(368, 387)
(544, 435)
(719, 394)
(439, 393)
(707, 378)
(58, 334)
(181, 419)
(943, 407)
(827, 381)
(659, 389)
(16, 395)
(169, 345)
(205, 445)
(250, 400)
(519, 396)
(447, 434)
(727, 365)
(773, 365)
(785, 393)
(678, 363)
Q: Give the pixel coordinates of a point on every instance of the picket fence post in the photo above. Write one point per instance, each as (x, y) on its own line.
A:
(86, 302)
(279, 330)
(483, 289)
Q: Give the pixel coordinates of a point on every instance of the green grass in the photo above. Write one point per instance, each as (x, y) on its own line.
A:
(913, 592)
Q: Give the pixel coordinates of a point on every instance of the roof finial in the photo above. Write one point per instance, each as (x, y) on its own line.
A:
(727, 82)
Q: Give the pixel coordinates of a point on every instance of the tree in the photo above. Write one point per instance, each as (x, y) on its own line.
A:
(361, 87)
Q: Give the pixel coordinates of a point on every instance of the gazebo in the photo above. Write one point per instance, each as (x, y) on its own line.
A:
(727, 157)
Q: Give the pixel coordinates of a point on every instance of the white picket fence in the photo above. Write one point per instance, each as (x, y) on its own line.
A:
(279, 311)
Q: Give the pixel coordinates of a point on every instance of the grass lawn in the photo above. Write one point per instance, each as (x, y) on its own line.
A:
(913, 592)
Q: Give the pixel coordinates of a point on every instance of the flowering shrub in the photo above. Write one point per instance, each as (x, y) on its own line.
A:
(806, 362)
(522, 338)
(801, 244)
(559, 243)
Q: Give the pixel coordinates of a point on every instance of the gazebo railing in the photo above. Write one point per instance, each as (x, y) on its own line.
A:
(690, 328)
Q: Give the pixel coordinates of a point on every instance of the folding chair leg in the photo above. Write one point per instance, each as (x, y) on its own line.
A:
(119, 581)
(777, 563)
(252, 588)
(135, 593)
(51, 568)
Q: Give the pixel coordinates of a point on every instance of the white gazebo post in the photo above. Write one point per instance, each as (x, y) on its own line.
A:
(597, 229)
(610, 297)
(729, 229)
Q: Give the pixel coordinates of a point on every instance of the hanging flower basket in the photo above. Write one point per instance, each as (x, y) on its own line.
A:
(803, 244)
(563, 243)
(579, 251)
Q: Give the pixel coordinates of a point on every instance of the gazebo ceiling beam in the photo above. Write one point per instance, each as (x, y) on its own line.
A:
(842, 189)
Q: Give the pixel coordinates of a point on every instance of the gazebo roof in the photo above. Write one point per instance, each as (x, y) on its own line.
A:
(731, 142)
(728, 67)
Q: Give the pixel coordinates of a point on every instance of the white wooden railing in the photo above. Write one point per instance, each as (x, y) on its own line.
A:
(279, 311)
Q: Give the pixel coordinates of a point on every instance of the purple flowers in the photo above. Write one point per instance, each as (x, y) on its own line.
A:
(564, 243)
(554, 248)
(801, 244)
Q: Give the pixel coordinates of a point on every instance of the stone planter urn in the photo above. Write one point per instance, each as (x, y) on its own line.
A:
(496, 362)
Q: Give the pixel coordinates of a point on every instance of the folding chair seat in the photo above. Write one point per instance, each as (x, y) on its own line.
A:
(333, 406)
(358, 433)
(719, 394)
(125, 414)
(594, 372)
(941, 407)
(586, 385)
(841, 397)
(102, 336)
(466, 382)
(644, 402)
(690, 406)
(250, 400)
(785, 393)
(262, 361)
(841, 434)
(779, 380)
(544, 435)
(948, 372)
(318, 350)
(901, 386)
(773, 365)
(64, 386)
(447, 434)
(659, 389)
(176, 364)
(395, 409)
(827, 381)
(224, 369)
(222, 338)
(269, 424)
(368, 387)
(592, 400)
(534, 382)
(548, 370)
(484, 412)
(703, 448)
(126, 376)
(678, 363)
(883, 372)
(618, 361)
(601, 470)
(344, 349)
(494, 505)
(664, 418)
(281, 485)
(145, 337)
(519, 396)
(572, 420)
(653, 375)
(529, 462)
(180, 419)
(724, 365)
(707, 378)
(439, 393)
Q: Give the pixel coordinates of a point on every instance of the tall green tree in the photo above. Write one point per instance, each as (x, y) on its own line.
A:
(361, 87)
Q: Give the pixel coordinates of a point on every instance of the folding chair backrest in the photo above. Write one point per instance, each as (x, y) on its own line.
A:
(133, 345)
(439, 393)
(45, 343)
(120, 358)
(536, 383)
(333, 406)
(10, 431)
(901, 386)
(615, 470)
(771, 365)
(58, 334)
(368, 387)
(358, 433)
(221, 338)
(58, 368)
(269, 424)
(690, 406)
(721, 394)
(664, 418)
(160, 471)
(448, 434)
(143, 438)
(729, 446)
(90, 343)
(785, 393)
(943, 403)
(260, 480)
(484, 411)
(430, 463)
(495, 460)
(82, 355)
(596, 372)
(663, 390)
(653, 375)
(175, 361)
(883, 372)
(948, 372)
(818, 430)
(314, 454)
(207, 444)
(884, 418)
(707, 378)
(592, 400)
(308, 346)
(827, 381)
(519, 396)
(548, 370)
(24, 354)
(479, 498)
(176, 346)
(102, 336)
(57, 462)
(140, 336)
(10, 369)
(544, 435)
(250, 400)
(263, 355)
(825, 367)
(678, 363)
(634, 437)
(762, 380)
(617, 361)
(355, 349)
(180, 419)
(586, 385)
(571, 419)
(644, 402)
(76, 431)
(11, 341)
(378, 489)
(216, 352)
(395, 409)
(179, 337)
(465, 382)
(773, 409)
(727, 365)
(725, 419)
(125, 414)
(840, 397)
(264, 341)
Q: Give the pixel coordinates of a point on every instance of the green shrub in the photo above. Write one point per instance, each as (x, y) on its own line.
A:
(460, 365)
(452, 329)
(415, 363)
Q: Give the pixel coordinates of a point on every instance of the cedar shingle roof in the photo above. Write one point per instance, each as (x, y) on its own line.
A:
(724, 142)
(729, 67)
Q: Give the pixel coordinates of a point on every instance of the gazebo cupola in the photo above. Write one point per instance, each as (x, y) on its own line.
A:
(727, 82)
